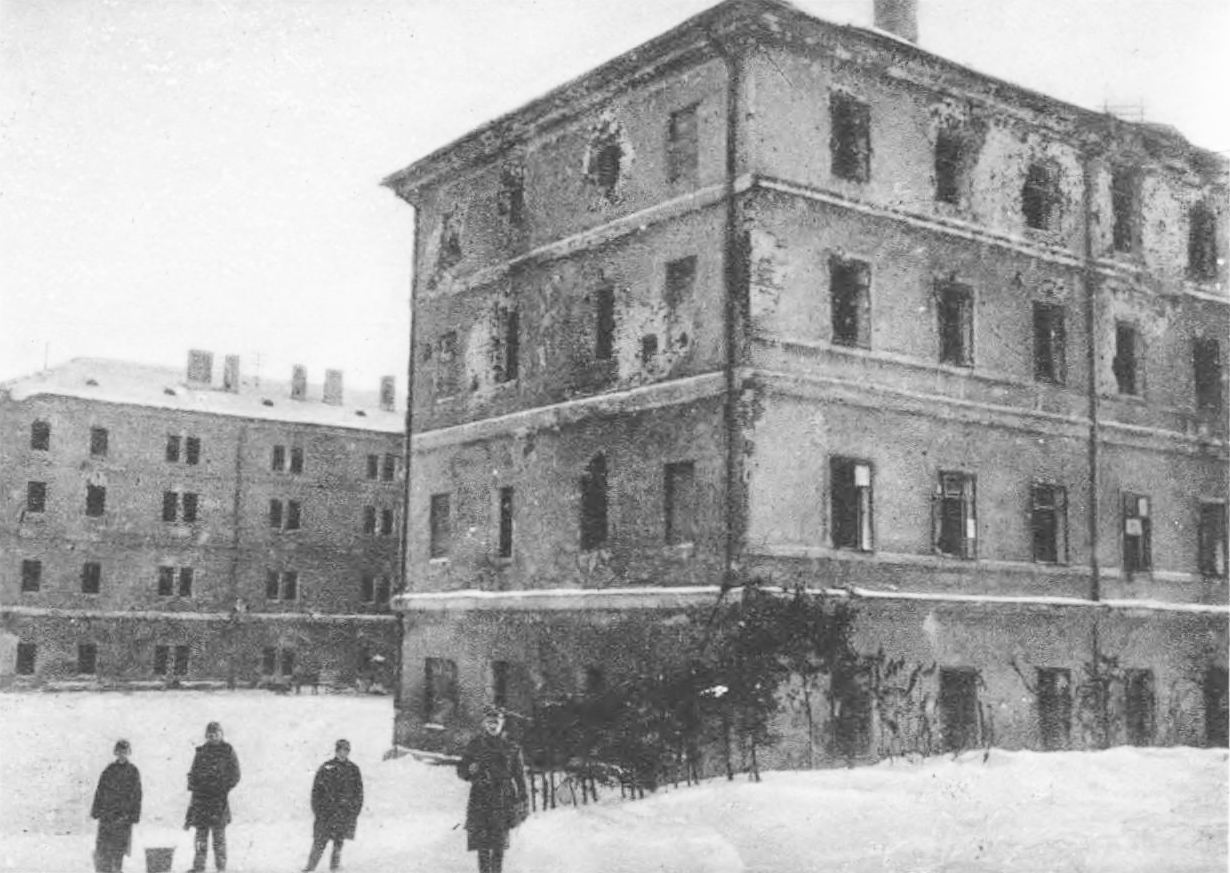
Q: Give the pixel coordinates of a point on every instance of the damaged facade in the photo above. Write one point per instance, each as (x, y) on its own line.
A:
(772, 300)
(163, 527)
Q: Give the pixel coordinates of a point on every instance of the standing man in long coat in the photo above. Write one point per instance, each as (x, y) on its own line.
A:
(215, 771)
(337, 799)
(493, 765)
(117, 806)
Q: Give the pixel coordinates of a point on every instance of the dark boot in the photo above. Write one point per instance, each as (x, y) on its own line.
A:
(335, 860)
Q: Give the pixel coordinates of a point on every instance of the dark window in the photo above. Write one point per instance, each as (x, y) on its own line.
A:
(505, 547)
(278, 459)
(1137, 533)
(1127, 359)
(26, 654)
(269, 661)
(383, 591)
(680, 281)
(605, 164)
(500, 677)
(681, 502)
(91, 577)
(290, 585)
(293, 515)
(958, 707)
(273, 584)
(850, 503)
(595, 680)
(95, 500)
(87, 658)
(185, 581)
(1216, 716)
(170, 506)
(275, 514)
(1206, 365)
(367, 588)
(594, 504)
(850, 302)
(510, 346)
(850, 141)
(40, 436)
(373, 466)
(36, 496)
(1212, 540)
(288, 662)
(173, 445)
(1123, 187)
(439, 690)
(1049, 523)
(296, 460)
(950, 165)
(682, 146)
(510, 202)
(1202, 243)
(98, 442)
(389, 470)
(281, 586)
(604, 305)
(161, 658)
(192, 452)
(1050, 344)
(1040, 196)
(386, 522)
(369, 519)
(955, 310)
(31, 575)
(649, 347)
(181, 660)
(1139, 706)
(441, 526)
(166, 581)
(1054, 708)
(189, 503)
(955, 516)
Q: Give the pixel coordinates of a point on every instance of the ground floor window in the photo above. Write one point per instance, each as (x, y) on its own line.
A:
(26, 654)
(1216, 723)
(87, 659)
(1055, 708)
(276, 661)
(440, 691)
(958, 708)
(1138, 707)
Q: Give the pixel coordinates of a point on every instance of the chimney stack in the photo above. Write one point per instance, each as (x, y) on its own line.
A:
(230, 374)
(899, 17)
(200, 367)
(388, 393)
(298, 383)
(333, 387)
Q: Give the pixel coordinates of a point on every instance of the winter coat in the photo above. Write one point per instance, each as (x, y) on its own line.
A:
(337, 798)
(497, 790)
(215, 771)
(117, 806)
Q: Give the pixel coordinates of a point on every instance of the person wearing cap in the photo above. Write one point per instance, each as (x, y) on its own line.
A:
(337, 799)
(495, 769)
(117, 806)
(215, 771)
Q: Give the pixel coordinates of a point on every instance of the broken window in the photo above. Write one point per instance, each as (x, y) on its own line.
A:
(87, 658)
(510, 202)
(1202, 243)
(1123, 204)
(958, 708)
(850, 503)
(850, 139)
(504, 548)
(36, 496)
(26, 655)
(1050, 344)
(680, 502)
(40, 436)
(31, 575)
(1137, 534)
(448, 365)
(1206, 364)
(1126, 363)
(439, 690)
(849, 294)
(91, 577)
(1138, 705)
(1049, 523)
(1211, 540)
(955, 518)
(604, 340)
(98, 442)
(594, 504)
(955, 312)
(441, 526)
(681, 146)
(1040, 196)
(680, 280)
(1216, 716)
(95, 500)
(509, 367)
(1054, 708)
(951, 148)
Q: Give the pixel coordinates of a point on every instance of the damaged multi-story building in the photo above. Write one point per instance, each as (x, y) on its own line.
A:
(771, 300)
(163, 526)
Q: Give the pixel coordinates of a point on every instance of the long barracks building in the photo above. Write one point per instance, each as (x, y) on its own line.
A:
(770, 299)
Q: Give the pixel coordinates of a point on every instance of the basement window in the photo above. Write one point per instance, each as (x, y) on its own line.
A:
(594, 504)
(951, 160)
(1050, 341)
(1137, 534)
(681, 146)
(955, 314)
(1212, 540)
(954, 517)
(1202, 243)
(1124, 209)
(441, 530)
(850, 504)
(1206, 364)
(850, 139)
(850, 302)
(1049, 523)
(1040, 196)
(680, 502)
(1126, 365)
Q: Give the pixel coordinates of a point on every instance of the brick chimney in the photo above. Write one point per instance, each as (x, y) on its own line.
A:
(899, 17)
(388, 393)
(200, 367)
(298, 383)
(230, 374)
(333, 387)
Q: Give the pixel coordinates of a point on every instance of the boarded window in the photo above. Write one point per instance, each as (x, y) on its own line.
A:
(1139, 707)
(441, 526)
(87, 658)
(439, 690)
(604, 318)
(951, 148)
(1040, 196)
(850, 302)
(850, 503)
(1126, 365)
(98, 442)
(504, 547)
(1206, 366)
(682, 146)
(1137, 533)
(95, 500)
(1054, 708)
(31, 575)
(850, 140)
(955, 313)
(1049, 523)
(1124, 208)
(681, 502)
(1212, 540)
(40, 436)
(955, 519)
(27, 654)
(91, 577)
(680, 281)
(594, 504)
(36, 496)
(1050, 344)
(958, 708)
(1202, 243)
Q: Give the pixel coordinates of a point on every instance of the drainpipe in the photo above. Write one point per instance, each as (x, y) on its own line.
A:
(1091, 287)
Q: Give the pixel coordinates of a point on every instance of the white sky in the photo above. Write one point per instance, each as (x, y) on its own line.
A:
(204, 173)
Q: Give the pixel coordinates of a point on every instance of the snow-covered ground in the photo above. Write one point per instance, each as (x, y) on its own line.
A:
(1147, 810)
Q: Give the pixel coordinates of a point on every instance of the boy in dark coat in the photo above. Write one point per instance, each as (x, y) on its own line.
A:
(215, 771)
(337, 799)
(493, 766)
(117, 806)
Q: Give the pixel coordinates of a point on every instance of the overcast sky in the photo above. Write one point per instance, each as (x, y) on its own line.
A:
(181, 174)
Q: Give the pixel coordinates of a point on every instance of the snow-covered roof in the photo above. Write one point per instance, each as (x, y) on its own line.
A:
(160, 387)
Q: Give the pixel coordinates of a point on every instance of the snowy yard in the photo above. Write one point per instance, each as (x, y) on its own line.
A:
(1154, 810)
